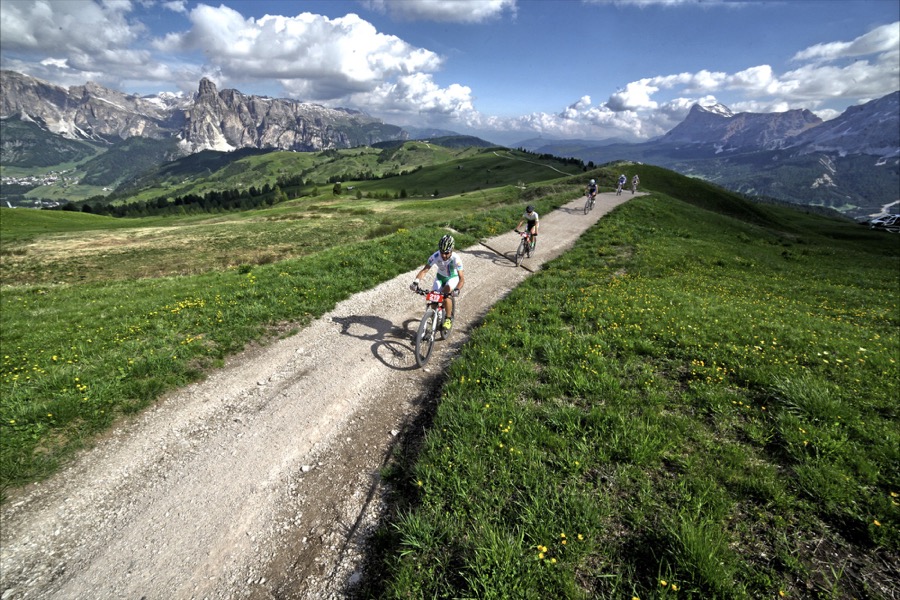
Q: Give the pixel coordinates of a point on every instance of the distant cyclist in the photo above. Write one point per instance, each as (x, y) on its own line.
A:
(634, 183)
(622, 181)
(532, 218)
(449, 277)
(591, 191)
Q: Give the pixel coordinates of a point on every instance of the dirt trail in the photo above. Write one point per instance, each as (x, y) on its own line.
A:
(262, 480)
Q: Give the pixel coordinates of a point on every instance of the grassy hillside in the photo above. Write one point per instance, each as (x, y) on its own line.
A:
(37, 148)
(855, 185)
(129, 166)
(115, 296)
(698, 401)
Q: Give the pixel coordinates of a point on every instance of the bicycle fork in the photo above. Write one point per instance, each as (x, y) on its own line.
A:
(436, 321)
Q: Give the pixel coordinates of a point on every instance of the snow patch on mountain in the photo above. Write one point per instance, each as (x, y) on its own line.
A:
(824, 181)
(718, 109)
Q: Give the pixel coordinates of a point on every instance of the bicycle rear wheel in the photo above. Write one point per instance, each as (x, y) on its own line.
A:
(520, 253)
(425, 337)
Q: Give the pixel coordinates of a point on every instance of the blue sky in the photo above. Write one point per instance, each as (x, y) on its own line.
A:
(505, 70)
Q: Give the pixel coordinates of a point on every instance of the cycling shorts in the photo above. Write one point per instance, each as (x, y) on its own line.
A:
(440, 281)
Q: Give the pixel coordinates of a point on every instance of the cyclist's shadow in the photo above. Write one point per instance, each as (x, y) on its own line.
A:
(503, 260)
(392, 345)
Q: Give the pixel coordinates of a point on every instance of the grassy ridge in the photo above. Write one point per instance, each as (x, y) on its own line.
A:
(211, 171)
(128, 314)
(688, 404)
(699, 400)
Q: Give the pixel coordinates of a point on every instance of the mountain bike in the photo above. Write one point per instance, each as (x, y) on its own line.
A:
(589, 203)
(432, 322)
(526, 246)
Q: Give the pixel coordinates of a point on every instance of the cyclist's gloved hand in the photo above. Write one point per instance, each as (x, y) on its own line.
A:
(455, 293)
(414, 286)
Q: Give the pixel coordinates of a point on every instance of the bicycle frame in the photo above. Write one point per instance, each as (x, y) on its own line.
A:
(434, 299)
(431, 323)
(525, 246)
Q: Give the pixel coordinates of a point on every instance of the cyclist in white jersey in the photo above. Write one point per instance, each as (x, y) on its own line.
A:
(533, 219)
(449, 279)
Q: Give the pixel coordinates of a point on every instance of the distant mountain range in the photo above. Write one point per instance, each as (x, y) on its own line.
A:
(209, 120)
(851, 163)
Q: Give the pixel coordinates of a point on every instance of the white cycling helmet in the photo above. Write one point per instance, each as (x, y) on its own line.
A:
(592, 182)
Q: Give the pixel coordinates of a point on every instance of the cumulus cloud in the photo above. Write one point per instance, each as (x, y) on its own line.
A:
(636, 95)
(179, 6)
(314, 57)
(639, 110)
(418, 95)
(458, 11)
(873, 72)
(91, 36)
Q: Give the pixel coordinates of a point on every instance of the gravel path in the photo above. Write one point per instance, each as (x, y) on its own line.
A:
(262, 480)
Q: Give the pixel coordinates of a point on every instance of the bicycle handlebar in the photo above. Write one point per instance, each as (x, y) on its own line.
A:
(426, 291)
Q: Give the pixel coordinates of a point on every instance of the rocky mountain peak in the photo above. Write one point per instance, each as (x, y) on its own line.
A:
(717, 125)
(207, 88)
(872, 128)
(211, 120)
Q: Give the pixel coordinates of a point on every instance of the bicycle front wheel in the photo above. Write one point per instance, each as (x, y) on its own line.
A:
(425, 337)
(520, 253)
(587, 205)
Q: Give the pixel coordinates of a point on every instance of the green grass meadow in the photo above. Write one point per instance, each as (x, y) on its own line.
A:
(102, 316)
(699, 400)
(686, 405)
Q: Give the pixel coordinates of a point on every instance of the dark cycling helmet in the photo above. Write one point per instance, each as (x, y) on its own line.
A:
(446, 244)
(529, 209)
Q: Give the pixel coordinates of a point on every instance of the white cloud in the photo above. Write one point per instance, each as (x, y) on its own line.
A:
(418, 95)
(457, 11)
(881, 39)
(758, 79)
(314, 57)
(636, 95)
(580, 119)
(179, 6)
(94, 38)
(874, 73)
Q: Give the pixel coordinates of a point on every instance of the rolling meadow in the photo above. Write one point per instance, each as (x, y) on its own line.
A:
(699, 400)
